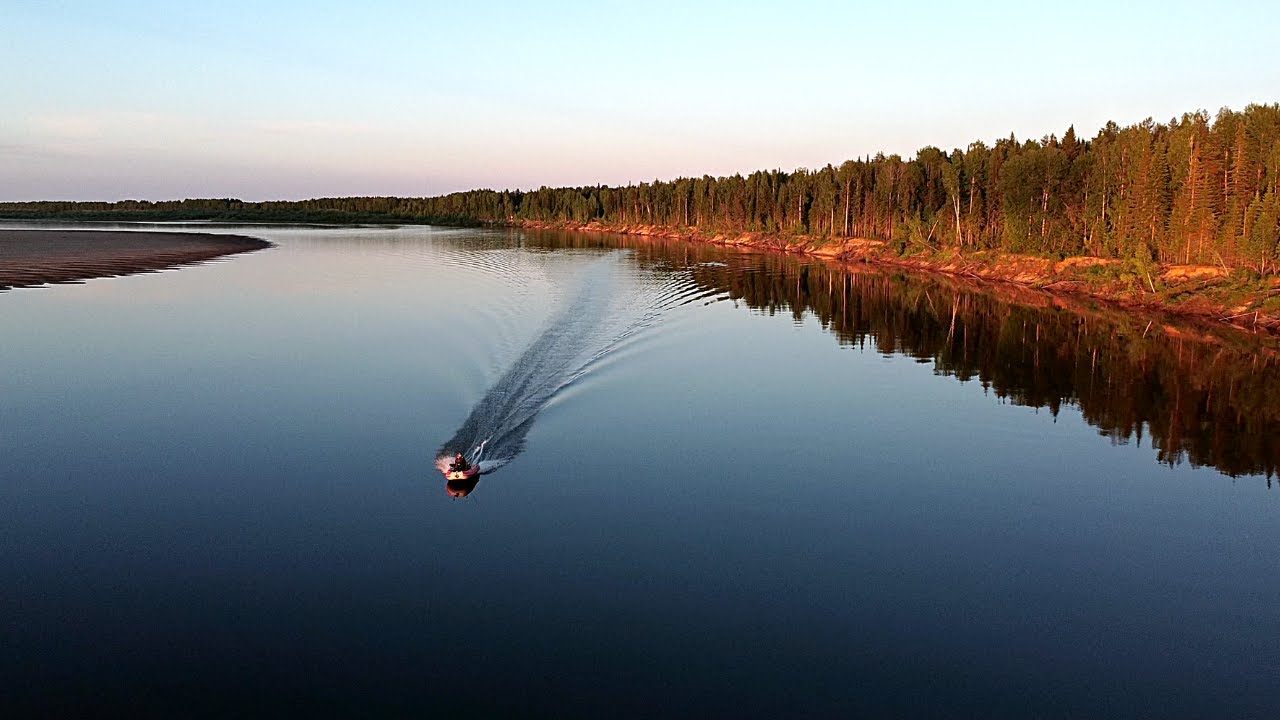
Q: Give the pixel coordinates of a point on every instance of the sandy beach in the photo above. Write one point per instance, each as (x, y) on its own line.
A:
(38, 257)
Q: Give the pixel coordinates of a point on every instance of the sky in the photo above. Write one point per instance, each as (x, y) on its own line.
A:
(285, 100)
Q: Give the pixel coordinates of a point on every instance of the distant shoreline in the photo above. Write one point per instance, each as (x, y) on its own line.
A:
(1197, 291)
(30, 258)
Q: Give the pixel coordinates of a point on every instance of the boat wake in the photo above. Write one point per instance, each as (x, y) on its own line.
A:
(607, 310)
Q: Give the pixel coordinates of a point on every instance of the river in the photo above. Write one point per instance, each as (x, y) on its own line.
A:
(715, 482)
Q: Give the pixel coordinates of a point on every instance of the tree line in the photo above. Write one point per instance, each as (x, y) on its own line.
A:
(1194, 190)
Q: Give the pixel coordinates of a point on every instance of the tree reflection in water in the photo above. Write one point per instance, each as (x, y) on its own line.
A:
(1205, 394)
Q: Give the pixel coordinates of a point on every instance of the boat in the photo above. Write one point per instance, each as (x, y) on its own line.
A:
(467, 474)
(462, 488)
(460, 469)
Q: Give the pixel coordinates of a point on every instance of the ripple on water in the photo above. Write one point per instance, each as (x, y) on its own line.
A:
(603, 310)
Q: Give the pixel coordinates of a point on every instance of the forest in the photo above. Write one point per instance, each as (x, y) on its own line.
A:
(1195, 190)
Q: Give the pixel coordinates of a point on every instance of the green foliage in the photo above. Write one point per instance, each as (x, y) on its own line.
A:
(1193, 190)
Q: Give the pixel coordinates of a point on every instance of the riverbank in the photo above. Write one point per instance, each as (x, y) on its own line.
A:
(1205, 292)
(39, 257)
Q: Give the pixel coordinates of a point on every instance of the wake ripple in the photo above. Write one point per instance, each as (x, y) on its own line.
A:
(607, 311)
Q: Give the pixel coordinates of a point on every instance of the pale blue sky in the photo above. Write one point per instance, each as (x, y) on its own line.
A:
(161, 100)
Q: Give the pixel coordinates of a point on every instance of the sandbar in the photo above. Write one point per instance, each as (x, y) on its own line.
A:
(38, 257)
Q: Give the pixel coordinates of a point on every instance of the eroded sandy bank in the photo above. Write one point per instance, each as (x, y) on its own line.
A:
(1204, 292)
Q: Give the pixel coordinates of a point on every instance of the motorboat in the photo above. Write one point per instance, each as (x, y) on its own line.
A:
(462, 488)
(460, 469)
(467, 474)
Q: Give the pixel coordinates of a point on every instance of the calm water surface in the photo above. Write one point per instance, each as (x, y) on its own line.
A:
(717, 483)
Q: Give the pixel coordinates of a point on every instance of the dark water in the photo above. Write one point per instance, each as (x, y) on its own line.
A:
(718, 483)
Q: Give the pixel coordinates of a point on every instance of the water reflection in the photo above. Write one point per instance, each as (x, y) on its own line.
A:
(1196, 392)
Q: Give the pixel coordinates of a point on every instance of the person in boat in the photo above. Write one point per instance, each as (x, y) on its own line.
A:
(459, 464)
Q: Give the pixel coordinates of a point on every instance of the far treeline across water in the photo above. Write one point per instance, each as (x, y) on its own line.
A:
(1195, 190)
